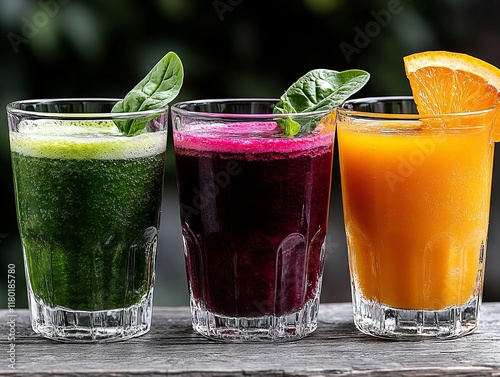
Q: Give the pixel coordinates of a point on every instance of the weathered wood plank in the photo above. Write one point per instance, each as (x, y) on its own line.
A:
(336, 348)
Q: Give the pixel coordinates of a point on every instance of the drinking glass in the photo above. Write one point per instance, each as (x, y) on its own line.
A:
(416, 199)
(88, 205)
(254, 215)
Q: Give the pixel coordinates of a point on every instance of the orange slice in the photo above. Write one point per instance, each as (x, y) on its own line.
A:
(446, 82)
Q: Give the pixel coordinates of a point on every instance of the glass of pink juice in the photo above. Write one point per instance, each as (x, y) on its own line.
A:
(254, 213)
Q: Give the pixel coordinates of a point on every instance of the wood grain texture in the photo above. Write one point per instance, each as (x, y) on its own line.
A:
(336, 348)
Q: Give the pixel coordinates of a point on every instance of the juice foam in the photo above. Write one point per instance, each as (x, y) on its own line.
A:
(75, 139)
(254, 138)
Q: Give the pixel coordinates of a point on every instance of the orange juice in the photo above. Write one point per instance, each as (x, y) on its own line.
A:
(416, 208)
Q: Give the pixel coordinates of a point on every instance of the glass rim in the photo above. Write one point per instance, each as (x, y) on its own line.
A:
(176, 107)
(388, 116)
(11, 109)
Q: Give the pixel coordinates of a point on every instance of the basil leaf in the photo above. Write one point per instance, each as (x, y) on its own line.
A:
(155, 91)
(319, 89)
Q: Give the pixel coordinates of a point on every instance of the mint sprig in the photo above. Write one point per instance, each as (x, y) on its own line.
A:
(319, 89)
(155, 91)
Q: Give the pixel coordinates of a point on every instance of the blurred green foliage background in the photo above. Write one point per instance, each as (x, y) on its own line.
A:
(230, 48)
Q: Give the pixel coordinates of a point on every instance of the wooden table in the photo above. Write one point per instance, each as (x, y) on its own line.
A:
(336, 348)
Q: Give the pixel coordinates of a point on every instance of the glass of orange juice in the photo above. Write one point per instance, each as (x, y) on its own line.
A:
(416, 199)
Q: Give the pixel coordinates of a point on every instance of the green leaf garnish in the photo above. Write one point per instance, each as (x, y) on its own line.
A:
(319, 89)
(291, 126)
(155, 91)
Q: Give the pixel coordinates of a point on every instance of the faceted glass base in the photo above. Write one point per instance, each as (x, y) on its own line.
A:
(382, 321)
(65, 325)
(266, 328)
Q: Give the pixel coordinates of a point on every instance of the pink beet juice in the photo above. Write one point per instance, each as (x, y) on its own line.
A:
(254, 213)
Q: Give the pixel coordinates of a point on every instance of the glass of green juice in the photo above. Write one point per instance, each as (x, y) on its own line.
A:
(88, 203)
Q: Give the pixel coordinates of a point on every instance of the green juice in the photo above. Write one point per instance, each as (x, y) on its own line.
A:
(88, 204)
